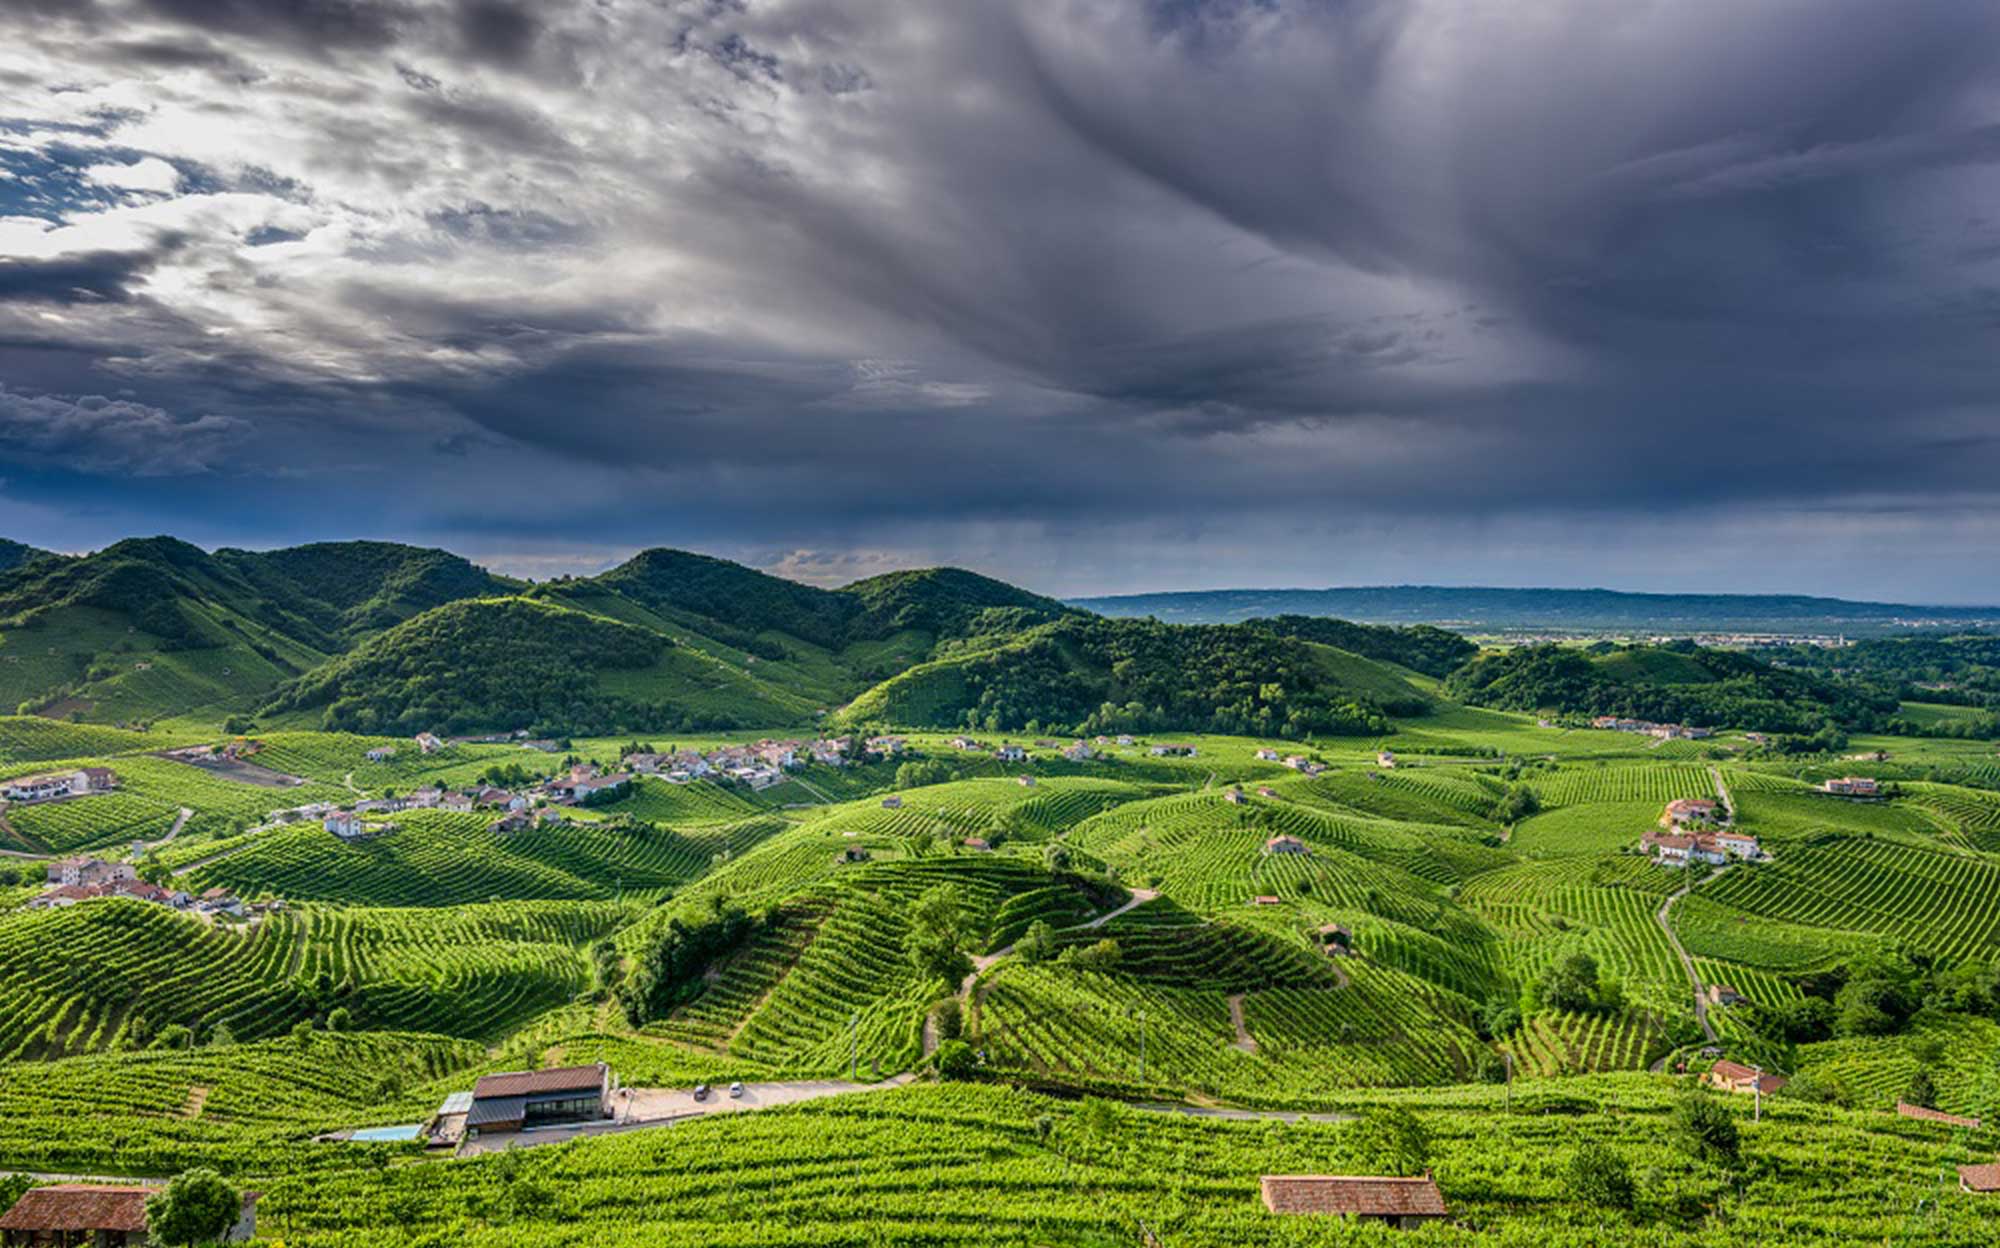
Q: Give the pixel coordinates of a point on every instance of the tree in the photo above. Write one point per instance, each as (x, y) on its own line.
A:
(950, 1018)
(1599, 1176)
(1570, 984)
(938, 932)
(1921, 1090)
(1038, 944)
(1703, 1128)
(917, 774)
(339, 1019)
(1397, 1141)
(302, 1035)
(174, 1036)
(1498, 1018)
(1102, 956)
(198, 1206)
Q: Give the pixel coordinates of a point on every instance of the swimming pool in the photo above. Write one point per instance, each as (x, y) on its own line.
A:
(374, 1135)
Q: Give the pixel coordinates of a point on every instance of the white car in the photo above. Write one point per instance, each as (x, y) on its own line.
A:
(736, 1089)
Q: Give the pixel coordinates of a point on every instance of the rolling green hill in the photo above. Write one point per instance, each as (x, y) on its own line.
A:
(520, 663)
(1089, 674)
(1675, 682)
(14, 554)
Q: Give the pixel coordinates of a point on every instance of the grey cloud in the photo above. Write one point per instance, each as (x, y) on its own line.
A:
(864, 267)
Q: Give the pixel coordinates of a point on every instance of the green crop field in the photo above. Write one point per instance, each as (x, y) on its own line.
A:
(1130, 930)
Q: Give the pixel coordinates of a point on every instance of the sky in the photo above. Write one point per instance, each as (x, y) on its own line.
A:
(1094, 295)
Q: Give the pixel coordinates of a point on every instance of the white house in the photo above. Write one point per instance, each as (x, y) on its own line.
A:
(1010, 753)
(428, 743)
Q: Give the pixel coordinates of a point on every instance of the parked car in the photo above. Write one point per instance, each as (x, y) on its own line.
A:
(736, 1089)
(700, 1091)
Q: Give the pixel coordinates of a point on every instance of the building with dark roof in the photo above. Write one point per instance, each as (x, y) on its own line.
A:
(1399, 1202)
(524, 1100)
(96, 1215)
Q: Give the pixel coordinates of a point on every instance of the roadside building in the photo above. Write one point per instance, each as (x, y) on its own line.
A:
(1286, 844)
(525, 1100)
(1401, 1203)
(1728, 1076)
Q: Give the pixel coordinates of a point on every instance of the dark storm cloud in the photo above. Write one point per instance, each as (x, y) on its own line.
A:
(820, 272)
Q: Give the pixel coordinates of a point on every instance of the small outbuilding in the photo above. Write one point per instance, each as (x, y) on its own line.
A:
(1401, 1203)
(99, 1215)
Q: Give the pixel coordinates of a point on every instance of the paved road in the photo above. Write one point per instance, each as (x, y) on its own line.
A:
(640, 1109)
(1140, 896)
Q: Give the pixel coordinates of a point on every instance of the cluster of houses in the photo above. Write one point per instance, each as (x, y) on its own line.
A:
(764, 763)
(1852, 786)
(517, 810)
(1676, 849)
(57, 785)
(75, 880)
(1646, 727)
(1300, 763)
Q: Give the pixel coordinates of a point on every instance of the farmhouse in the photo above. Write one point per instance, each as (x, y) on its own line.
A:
(1125, 738)
(1925, 1114)
(1683, 811)
(1335, 940)
(96, 1214)
(54, 785)
(1026, 782)
(1724, 996)
(527, 1099)
(381, 753)
(851, 853)
(512, 821)
(1173, 749)
(1670, 849)
(1233, 796)
(1401, 1203)
(1265, 790)
(1266, 899)
(429, 743)
(1079, 752)
(964, 743)
(892, 803)
(1286, 844)
(345, 824)
(978, 844)
(1010, 753)
(1731, 1076)
(1268, 755)
(885, 746)
(1386, 760)
(1852, 786)
(90, 872)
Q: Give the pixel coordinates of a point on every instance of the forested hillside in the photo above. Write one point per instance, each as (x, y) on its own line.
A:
(1419, 647)
(1677, 682)
(1087, 674)
(14, 554)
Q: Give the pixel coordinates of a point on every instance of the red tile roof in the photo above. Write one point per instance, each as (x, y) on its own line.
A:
(1367, 1196)
(1982, 1178)
(536, 1082)
(1931, 1115)
(79, 1207)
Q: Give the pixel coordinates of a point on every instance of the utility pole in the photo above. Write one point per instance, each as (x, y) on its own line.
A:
(1508, 1056)
(853, 1045)
(1757, 1093)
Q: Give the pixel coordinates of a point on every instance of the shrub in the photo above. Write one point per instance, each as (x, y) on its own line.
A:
(1704, 1129)
(1599, 1176)
(955, 1060)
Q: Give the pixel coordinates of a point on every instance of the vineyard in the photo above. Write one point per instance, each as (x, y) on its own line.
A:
(444, 950)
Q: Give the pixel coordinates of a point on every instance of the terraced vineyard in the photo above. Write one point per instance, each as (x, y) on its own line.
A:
(449, 950)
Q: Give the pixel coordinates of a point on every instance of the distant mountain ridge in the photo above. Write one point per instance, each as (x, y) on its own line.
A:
(1486, 608)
